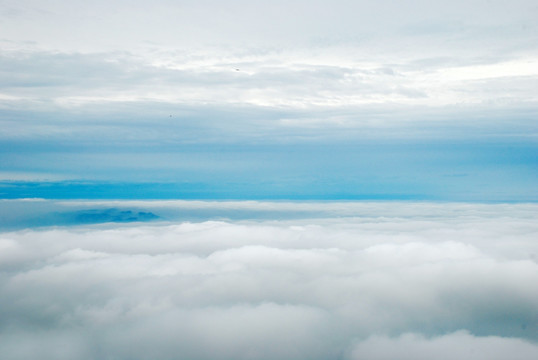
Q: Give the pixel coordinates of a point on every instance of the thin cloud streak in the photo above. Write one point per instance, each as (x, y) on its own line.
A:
(73, 80)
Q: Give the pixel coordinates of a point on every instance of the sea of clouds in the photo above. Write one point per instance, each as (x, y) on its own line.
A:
(387, 280)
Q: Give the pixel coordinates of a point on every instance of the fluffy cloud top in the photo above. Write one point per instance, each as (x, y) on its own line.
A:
(457, 345)
(400, 281)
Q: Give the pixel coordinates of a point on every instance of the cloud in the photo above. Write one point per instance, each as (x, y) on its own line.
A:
(240, 24)
(353, 68)
(458, 345)
(86, 84)
(91, 101)
(343, 281)
(307, 80)
(332, 99)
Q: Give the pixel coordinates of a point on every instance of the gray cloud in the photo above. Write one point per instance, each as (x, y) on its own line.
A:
(340, 287)
(116, 98)
(278, 23)
(90, 74)
(351, 65)
(456, 345)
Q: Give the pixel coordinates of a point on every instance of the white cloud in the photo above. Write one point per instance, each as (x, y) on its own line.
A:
(457, 345)
(238, 24)
(376, 277)
(308, 80)
(335, 55)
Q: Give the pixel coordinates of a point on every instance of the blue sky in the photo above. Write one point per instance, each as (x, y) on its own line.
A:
(126, 124)
(269, 100)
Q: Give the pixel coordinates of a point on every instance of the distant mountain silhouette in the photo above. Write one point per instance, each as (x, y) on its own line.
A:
(109, 215)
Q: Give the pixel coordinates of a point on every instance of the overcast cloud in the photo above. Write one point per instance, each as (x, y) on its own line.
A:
(385, 281)
(292, 55)
(194, 91)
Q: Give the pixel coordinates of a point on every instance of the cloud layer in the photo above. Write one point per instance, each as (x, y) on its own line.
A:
(377, 281)
(297, 65)
(206, 90)
(457, 345)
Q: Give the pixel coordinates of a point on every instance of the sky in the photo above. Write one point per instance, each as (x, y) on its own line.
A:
(218, 180)
(419, 100)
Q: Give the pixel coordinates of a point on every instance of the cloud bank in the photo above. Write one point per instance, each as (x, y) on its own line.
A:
(351, 65)
(363, 281)
(457, 345)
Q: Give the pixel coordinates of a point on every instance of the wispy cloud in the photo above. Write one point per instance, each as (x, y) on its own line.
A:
(350, 55)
